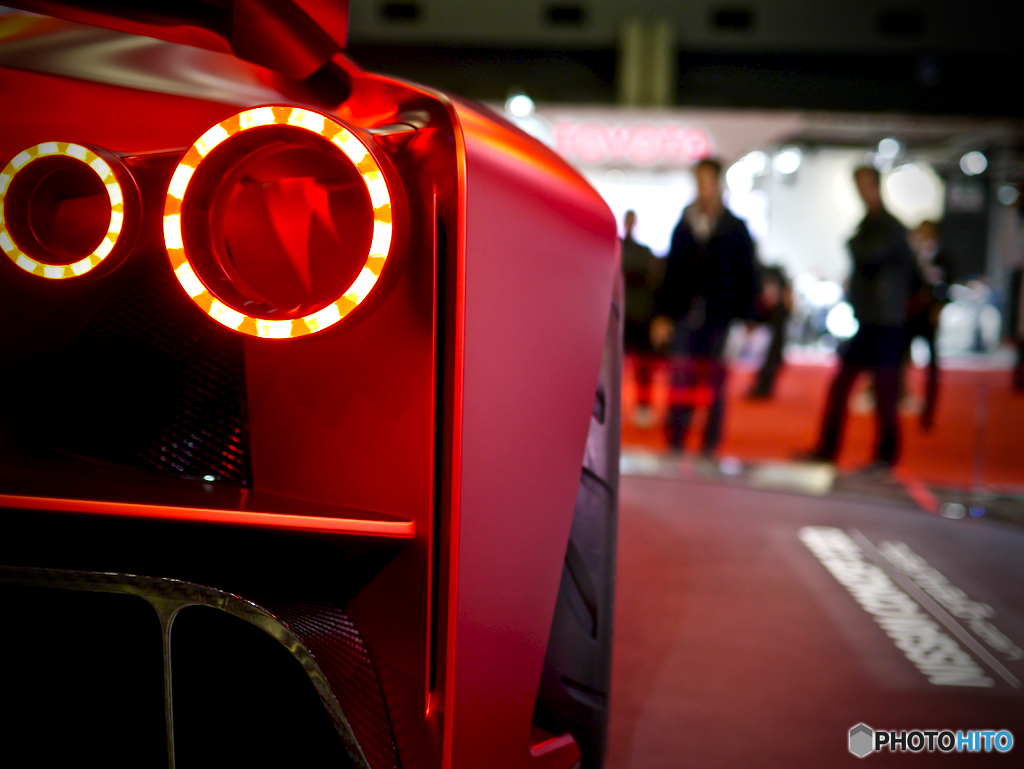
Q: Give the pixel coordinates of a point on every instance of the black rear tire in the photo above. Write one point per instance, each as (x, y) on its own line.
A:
(575, 683)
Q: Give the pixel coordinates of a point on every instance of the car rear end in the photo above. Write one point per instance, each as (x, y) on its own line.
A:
(299, 369)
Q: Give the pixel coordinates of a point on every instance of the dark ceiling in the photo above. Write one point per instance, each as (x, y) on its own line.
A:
(938, 57)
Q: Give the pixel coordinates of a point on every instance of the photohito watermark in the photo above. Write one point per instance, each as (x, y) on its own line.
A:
(865, 740)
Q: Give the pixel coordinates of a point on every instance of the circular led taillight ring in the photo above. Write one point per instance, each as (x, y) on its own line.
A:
(120, 192)
(383, 197)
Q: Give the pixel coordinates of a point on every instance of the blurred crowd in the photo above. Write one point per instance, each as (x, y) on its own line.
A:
(681, 310)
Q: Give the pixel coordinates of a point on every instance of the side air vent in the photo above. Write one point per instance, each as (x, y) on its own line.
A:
(339, 649)
(157, 386)
(240, 698)
(249, 685)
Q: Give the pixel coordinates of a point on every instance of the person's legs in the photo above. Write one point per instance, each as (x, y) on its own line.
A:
(678, 426)
(1018, 369)
(635, 344)
(643, 365)
(885, 350)
(901, 373)
(932, 387)
(683, 380)
(772, 363)
(691, 349)
(834, 421)
(716, 376)
(887, 391)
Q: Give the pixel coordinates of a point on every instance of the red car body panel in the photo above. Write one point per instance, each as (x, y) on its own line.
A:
(452, 414)
(520, 443)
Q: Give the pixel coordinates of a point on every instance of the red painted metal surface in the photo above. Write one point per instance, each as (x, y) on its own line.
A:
(455, 409)
(538, 253)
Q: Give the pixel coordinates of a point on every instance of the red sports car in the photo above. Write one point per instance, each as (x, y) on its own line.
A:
(308, 406)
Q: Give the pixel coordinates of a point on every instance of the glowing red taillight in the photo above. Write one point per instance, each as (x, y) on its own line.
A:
(280, 221)
(66, 209)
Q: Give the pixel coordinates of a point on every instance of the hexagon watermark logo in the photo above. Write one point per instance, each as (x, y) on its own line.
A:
(864, 740)
(861, 740)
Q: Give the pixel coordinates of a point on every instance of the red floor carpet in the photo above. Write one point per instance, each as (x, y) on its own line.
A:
(736, 648)
(977, 439)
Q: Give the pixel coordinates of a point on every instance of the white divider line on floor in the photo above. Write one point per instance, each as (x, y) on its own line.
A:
(933, 607)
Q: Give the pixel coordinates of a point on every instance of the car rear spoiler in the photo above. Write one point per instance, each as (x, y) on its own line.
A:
(292, 37)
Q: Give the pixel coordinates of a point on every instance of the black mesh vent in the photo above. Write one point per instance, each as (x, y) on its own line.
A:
(161, 387)
(338, 647)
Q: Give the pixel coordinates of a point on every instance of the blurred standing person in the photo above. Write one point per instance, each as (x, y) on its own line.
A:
(1015, 263)
(935, 270)
(710, 279)
(1017, 325)
(879, 290)
(774, 307)
(642, 273)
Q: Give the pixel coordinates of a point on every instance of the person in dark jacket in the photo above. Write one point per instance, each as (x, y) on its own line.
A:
(934, 270)
(1017, 326)
(642, 272)
(879, 290)
(774, 307)
(710, 279)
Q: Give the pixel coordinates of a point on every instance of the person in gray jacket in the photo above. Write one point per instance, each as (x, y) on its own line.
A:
(879, 289)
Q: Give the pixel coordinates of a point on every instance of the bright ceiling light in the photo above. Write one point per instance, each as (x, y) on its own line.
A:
(1007, 194)
(787, 161)
(520, 105)
(910, 187)
(841, 322)
(738, 179)
(756, 161)
(973, 163)
(740, 176)
(889, 148)
(913, 192)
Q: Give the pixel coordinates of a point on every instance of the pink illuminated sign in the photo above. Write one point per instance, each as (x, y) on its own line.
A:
(639, 144)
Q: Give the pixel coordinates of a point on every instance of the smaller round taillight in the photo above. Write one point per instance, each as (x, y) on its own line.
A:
(67, 210)
(279, 222)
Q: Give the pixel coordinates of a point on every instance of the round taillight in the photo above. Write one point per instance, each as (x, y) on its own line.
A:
(280, 221)
(66, 209)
